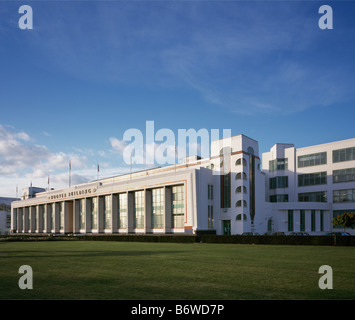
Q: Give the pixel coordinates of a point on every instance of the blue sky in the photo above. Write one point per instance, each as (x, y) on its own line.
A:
(90, 70)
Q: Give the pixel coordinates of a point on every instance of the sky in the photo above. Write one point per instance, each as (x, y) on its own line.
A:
(88, 71)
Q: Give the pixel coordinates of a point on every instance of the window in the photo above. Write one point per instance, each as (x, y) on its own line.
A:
(341, 155)
(94, 211)
(278, 164)
(241, 161)
(241, 217)
(346, 195)
(210, 217)
(107, 211)
(313, 220)
(241, 189)
(241, 203)
(319, 196)
(138, 209)
(279, 198)
(313, 159)
(322, 220)
(290, 220)
(81, 213)
(344, 175)
(302, 220)
(178, 208)
(241, 176)
(311, 179)
(158, 208)
(61, 216)
(278, 182)
(210, 192)
(122, 210)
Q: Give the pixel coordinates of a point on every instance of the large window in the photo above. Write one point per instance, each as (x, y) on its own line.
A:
(302, 220)
(61, 215)
(94, 211)
(122, 210)
(81, 213)
(178, 207)
(290, 220)
(319, 196)
(157, 208)
(107, 211)
(138, 209)
(344, 175)
(210, 217)
(346, 195)
(210, 192)
(279, 198)
(341, 155)
(313, 159)
(313, 220)
(312, 179)
(278, 164)
(278, 182)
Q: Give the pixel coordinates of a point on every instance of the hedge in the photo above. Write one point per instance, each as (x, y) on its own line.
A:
(281, 240)
(204, 238)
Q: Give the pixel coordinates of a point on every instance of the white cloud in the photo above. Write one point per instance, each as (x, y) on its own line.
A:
(23, 162)
(118, 145)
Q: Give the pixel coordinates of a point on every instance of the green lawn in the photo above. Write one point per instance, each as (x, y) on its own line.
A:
(135, 270)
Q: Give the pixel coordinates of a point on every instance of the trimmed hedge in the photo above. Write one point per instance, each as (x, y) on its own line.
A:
(282, 240)
(139, 238)
(204, 238)
(103, 237)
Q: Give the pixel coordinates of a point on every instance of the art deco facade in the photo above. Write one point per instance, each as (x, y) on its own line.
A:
(228, 193)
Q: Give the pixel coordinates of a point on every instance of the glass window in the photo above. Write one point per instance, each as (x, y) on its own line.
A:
(278, 164)
(210, 217)
(313, 220)
(302, 220)
(341, 155)
(241, 176)
(178, 207)
(346, 195)
(107, 211)
(290, 220)
(311, 179)
(241, 189)
(278, 182)
(81, 214)
(157, 208)
(94, 211)
(279, 198)
(241, 161)
(138, 209)
(344, 175)
(241, 203)
(319, 196)
(210, 192)
(313, 159)
(122, 210)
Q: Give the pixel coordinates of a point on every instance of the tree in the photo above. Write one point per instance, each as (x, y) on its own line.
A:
(346, 220)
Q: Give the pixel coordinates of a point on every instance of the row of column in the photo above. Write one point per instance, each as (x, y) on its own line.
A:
(83, 216)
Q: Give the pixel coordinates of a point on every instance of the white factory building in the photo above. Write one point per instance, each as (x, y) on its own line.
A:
(227, 193)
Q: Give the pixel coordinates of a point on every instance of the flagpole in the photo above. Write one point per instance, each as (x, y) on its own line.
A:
(98, 170)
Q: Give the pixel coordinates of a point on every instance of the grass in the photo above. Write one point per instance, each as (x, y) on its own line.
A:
(159, 271)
